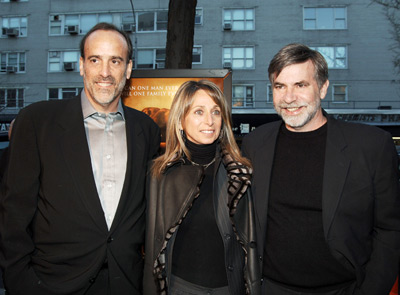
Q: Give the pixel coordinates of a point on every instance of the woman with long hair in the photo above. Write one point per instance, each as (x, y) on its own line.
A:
(200, 230)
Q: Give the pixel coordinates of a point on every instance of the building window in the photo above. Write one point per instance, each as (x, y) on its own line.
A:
(324, 18)
(63, 93)
(151, 58)
(238, 19)
(12, 62)
(243, 96)
(60, 61)
(339, 93)
(152, 21)
(335, 56)
(14, 27)
(238, 57)
(13, 1)
(128, 22)
(270, 97)
(197, 56)
(198, 18)
(71, 24)
(12, 97)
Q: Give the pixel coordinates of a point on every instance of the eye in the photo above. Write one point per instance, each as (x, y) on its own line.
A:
(93, 60)
(216, 112)
(278, 86)
(302, 85)
(116, 61)
(198, 112)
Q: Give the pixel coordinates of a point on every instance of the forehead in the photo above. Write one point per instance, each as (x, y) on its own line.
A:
(297, 72)
(104, 41)
(202, 98)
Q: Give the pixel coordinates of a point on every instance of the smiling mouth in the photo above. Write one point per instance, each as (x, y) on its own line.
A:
(207, 131)
(293, 110)
(104, 84)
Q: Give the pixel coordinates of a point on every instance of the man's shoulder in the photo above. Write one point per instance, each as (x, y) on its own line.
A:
(50, 104)
(358, 129)
(46, 108)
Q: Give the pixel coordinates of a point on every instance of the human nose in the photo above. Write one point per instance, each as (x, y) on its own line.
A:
(290, 95)
(105, 70)
(210, 119)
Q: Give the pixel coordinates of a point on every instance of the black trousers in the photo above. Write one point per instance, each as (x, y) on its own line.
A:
(271, 288)
(182, 287)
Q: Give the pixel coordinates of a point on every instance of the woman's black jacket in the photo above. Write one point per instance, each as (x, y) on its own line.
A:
(170, 198)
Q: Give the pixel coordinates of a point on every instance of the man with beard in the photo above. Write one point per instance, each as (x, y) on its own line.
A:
(72, 204)
(326, 192)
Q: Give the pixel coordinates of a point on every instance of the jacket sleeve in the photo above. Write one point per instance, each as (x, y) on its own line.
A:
(382, 267)
(18, 206)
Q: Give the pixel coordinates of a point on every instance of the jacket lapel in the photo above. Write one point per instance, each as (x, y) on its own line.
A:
(335, 173)
(262, 175)
(75, 150)
(135, 150)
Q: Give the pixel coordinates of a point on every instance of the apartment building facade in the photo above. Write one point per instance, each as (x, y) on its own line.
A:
(39, 49)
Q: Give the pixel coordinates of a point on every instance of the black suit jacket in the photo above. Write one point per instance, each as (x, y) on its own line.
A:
(360, 201)
(53, 234)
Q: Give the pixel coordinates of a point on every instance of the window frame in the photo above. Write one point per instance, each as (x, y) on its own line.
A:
(21, 27)
(60, 92)
(234, 21)
(336, 58)
(62, 60)
(345, 94)
(198, 15)
(19, 101)
(155, 21)
(270, 94)
(245, 104)
(19, 64)
(200, 49)
(335, 19)
(232, 59)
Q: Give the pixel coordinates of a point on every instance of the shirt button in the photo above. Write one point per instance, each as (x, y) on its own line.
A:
(91, 280)
(230, 268)
(110, 239)
(227, 236)
(108, 157)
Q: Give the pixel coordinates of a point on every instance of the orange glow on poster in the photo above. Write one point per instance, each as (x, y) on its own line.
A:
(142, 93)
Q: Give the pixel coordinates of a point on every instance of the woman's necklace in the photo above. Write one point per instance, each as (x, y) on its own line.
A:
(205, 166)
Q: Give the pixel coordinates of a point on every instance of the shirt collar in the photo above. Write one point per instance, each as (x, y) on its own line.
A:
(88, 110)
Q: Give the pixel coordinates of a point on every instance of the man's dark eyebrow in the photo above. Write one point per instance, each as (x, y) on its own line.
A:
(112, 57)
(302, 82)
(118, 57)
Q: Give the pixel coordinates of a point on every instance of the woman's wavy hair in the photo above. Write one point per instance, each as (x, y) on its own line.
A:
(175, 144)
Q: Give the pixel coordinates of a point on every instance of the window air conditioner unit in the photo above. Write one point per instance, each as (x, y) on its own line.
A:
(227, 26)
(73, 29)
(13, 32)
(11, 69)
(14, 0)
(160, 65)
(227, 65)
(69, 66)
(127, 27)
